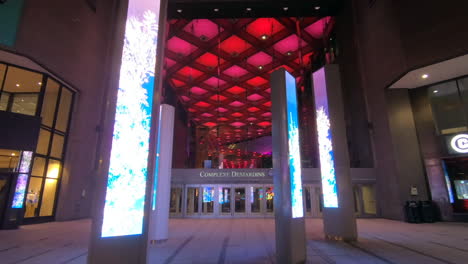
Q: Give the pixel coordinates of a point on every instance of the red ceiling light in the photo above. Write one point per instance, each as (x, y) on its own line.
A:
(202, 104)
(191, 110)
(237, 114)
(266, 114)
(209, 60)
(264, 124)
(185, 98)
(213, 82)
(218, 98)
(236, 104)
(209, 124)
(267, 104)
(189, 72)
(253, 109)
(254, 97)
(198, 91)
(222, 119)
(207, 115)
(260, 58)
(204, 29)
(257, 81)
(316, 29)
(221, 110)
(289, 44)
(236, 90)
(169, 63)
(268, 90)
(177, 83)
(235, 71)
(264, 26)
(251, 119)
(234, 45)
(180, 46)
(237, 124)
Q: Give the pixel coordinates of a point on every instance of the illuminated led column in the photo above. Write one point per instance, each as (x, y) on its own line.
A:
(289, 209)
(122, 194)
(338, 201)
(159, 216)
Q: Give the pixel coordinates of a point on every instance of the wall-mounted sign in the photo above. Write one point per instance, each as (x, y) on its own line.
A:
(457, 144)
(233, 174)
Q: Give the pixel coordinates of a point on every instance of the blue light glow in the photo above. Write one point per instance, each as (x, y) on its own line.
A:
(208, 194)
(22, 180)
(327, 159)
(447, 183)
(158, 152)
(126, 185)
(294, 150)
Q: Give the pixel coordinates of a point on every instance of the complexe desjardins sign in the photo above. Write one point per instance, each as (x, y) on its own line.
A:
(216, 174)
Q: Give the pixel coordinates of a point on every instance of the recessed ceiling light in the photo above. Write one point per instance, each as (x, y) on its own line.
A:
(216, 9)
(285, 8)
(289, 53)
(435, 91)
(248, 9)
(260, 67)
(179, 10)
(424, 76)
(17, 85)
(317, 7)
(264, 37)
(40, 83)
(13, 154)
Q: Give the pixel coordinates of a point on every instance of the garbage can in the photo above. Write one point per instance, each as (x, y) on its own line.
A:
(427, 211)
(412, 212)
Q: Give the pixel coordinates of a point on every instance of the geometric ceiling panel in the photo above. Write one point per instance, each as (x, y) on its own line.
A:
(289, 44)
(180, 46)
(220, 70)
(204, 29)
(264, 27)
(316, 29)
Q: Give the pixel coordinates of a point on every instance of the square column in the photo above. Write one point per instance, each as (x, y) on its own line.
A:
(338, 213)
(289, 208)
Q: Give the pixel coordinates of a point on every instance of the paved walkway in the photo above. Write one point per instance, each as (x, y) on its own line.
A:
(207, 241)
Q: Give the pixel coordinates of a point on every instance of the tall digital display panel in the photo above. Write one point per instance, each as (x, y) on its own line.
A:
(327, 157)
(294, 150)
(128, 169)
(22, 180)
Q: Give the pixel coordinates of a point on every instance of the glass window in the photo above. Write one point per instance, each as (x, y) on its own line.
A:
(192, 200)
(57, 146)
(43, 142)
(38, 167)
(48, 197)
(50, 102)
(25, 104)
(176, 200)
(308, 203)
(208, 200)
(5, 97)
(269, 199)
(53, 169)
(2, 73)
(368, 199)
(225, 199)
(447, 108)
(9, 159)
(239, 200)
(32, 198)
(22, 81)
(256, 195)
(64, 110)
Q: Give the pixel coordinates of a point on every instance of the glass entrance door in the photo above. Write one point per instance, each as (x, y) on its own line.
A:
(4, 192)
(225, 207)
(239, 200)
(193, 197)
(257, 205)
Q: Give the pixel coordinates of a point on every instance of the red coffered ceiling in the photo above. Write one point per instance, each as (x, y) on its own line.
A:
(220, 68)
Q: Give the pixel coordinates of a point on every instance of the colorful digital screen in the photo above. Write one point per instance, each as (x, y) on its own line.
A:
(126, 184)
(327, 159)
(447, 183)
(294, 150)
(22, 180)
(208, 194)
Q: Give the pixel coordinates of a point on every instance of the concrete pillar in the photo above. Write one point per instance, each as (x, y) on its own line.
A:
(338, 213)
(289, 209)
(159, 216)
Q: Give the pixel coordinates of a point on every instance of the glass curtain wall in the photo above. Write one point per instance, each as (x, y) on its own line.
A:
(32, 93)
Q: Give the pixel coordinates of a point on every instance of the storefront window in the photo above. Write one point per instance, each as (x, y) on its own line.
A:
(49, 103)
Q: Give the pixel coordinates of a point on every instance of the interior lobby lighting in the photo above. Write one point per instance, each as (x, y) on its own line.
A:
(179, 10)
(424, 76)
(40, 83)
(17, 85)
(260, 67)
(285, 8)
(435, 91)
(248, 9)
(264, 37)
(216, 9)
(317, 8)
(13, 154)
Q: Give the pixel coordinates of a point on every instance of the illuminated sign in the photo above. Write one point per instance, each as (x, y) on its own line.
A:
(22, 180)
(227, 173)
(327, 160)
(459, 143)
(294, 150)
(126, 184)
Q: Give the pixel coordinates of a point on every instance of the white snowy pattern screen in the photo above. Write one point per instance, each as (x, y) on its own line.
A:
(294, 150)
(125, 196)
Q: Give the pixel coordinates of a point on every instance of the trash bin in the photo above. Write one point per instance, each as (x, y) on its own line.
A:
(427, 211)
(412, 212)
